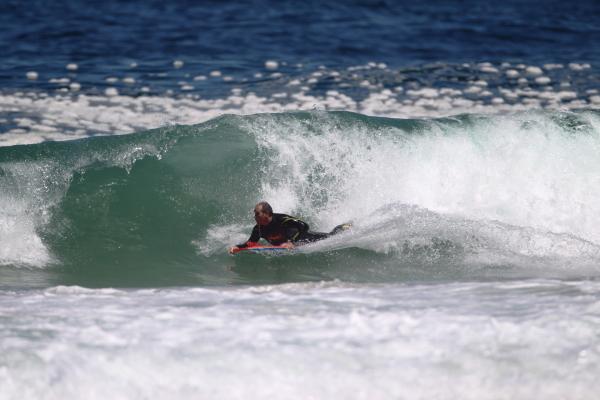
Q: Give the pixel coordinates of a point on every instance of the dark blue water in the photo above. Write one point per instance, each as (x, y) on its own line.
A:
(106, 38)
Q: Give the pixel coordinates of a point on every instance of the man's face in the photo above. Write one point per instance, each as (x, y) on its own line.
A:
(261, 217)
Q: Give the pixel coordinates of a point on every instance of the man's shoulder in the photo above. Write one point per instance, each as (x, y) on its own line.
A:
(282, 217)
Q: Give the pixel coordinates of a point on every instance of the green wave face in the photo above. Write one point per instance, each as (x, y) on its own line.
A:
(430, 199)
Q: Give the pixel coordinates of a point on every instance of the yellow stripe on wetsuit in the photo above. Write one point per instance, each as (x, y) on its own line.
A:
(287, 219)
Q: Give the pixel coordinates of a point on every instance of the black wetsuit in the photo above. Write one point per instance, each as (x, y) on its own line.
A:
(284, 228)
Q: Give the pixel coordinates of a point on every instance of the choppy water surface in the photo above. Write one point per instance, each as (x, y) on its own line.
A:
(509, 340)
(461, 140)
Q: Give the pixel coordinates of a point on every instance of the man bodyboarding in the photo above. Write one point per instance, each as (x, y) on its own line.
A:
(282, 230)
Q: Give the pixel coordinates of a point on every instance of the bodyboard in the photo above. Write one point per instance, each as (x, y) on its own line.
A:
(264, 250)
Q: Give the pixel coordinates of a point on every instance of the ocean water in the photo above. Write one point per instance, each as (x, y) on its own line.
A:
(461, 139)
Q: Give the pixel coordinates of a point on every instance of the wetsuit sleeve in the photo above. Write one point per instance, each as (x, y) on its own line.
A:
(254, 237)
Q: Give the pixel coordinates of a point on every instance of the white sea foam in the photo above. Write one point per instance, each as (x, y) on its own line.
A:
(534, 71)
(219, 237)
(522, 170)
(59, 117)
(271, 64)
(21, 244)
(28, 192)
(461, 340)
(111, 92)
(542, 80)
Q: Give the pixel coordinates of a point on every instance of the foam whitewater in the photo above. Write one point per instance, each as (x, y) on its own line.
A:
(66, 106)
(471, 195)
(471, 340)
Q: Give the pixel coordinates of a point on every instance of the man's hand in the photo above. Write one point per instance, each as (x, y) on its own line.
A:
(233, 249)
(288, 245)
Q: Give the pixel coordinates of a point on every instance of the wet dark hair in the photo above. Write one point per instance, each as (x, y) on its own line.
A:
(264, 206)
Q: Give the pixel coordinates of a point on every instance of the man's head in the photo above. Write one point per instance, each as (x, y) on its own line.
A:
(263, 213)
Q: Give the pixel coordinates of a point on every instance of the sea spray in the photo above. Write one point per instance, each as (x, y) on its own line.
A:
(138, 208)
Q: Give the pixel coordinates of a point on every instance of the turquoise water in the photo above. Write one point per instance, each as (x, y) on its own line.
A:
(470, 196)
(471, 270)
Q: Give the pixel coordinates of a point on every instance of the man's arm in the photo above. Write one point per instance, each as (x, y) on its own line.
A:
(254, 238)
(252, 241)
